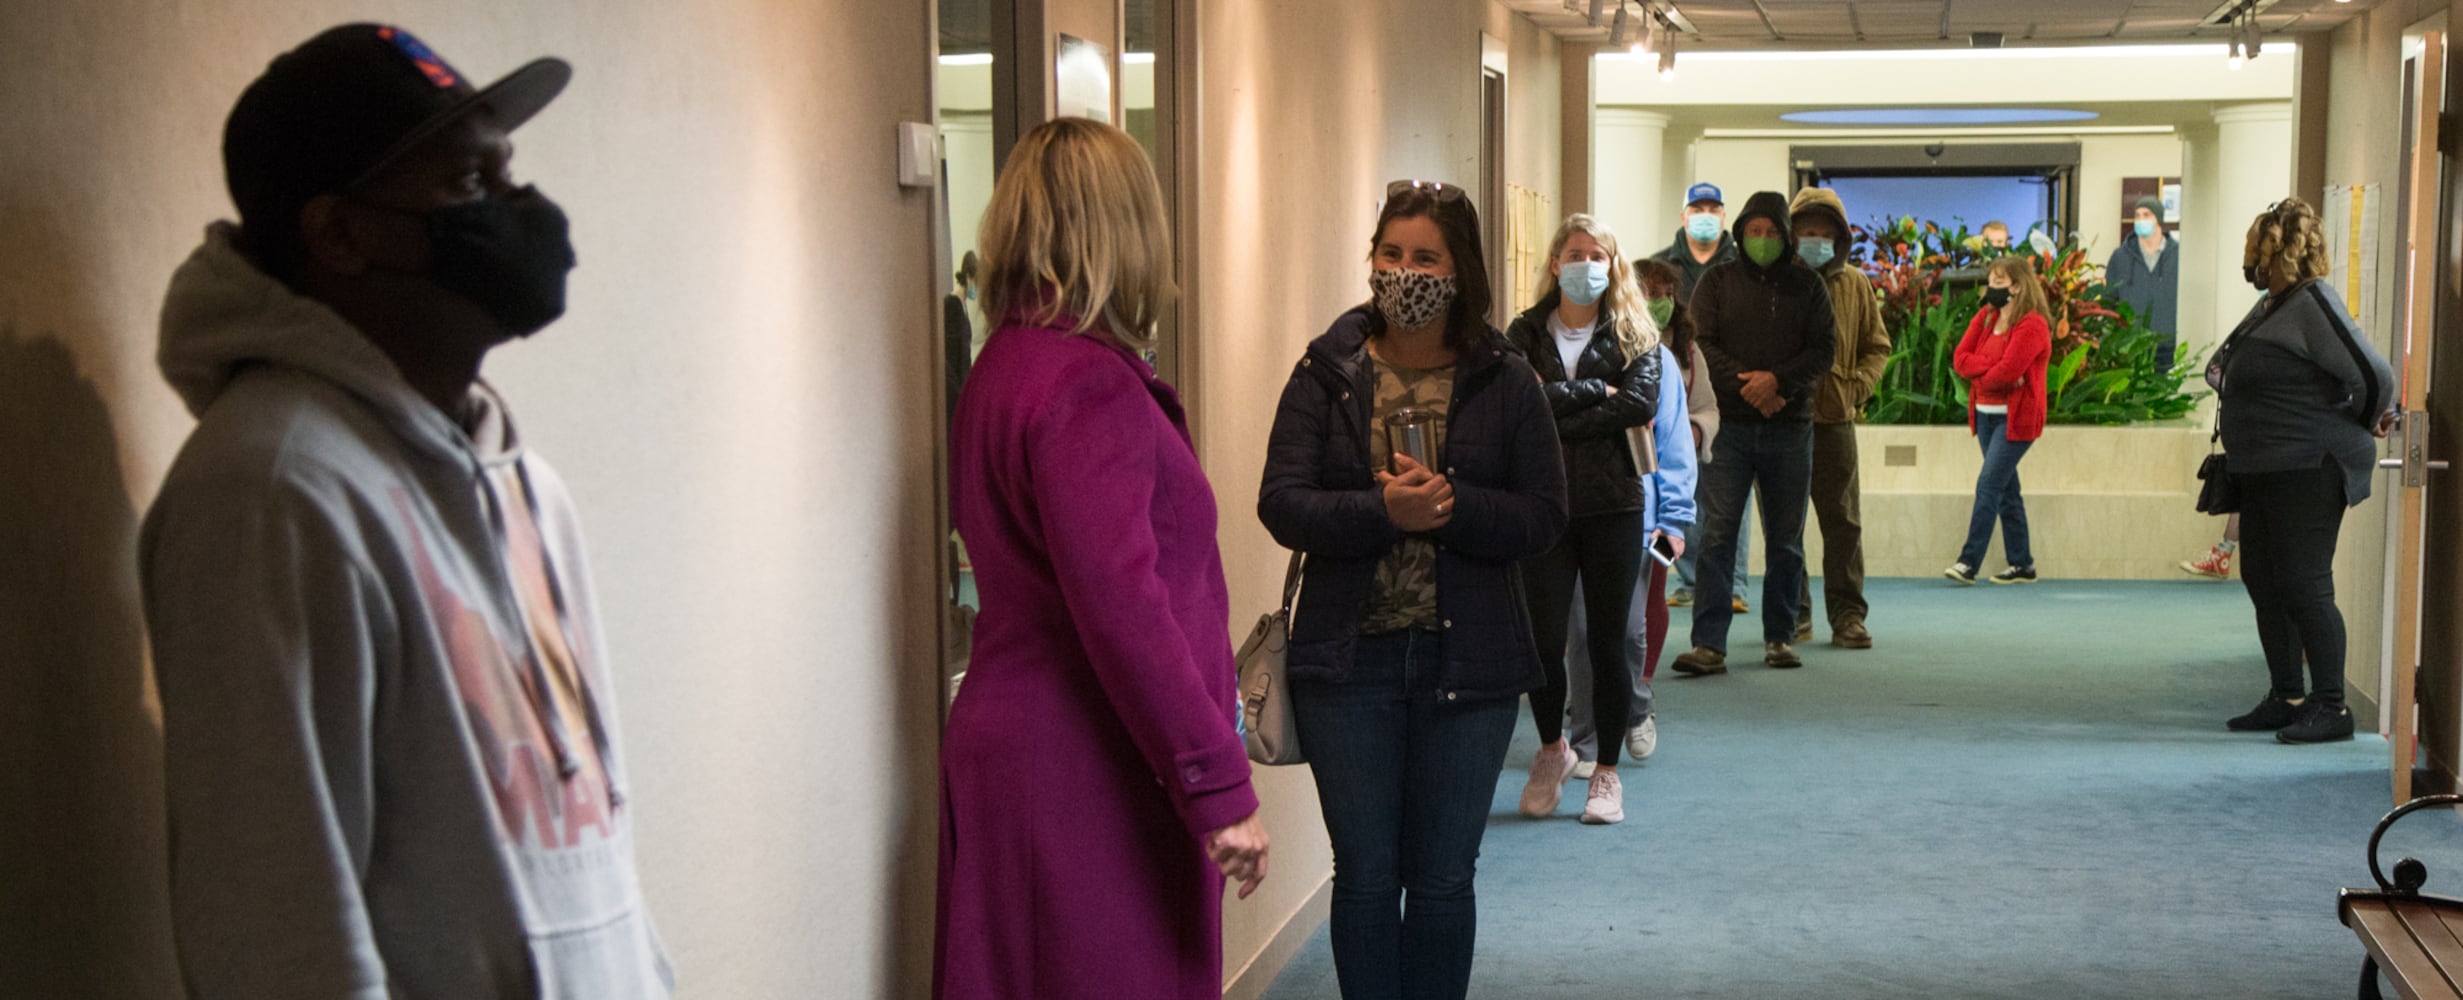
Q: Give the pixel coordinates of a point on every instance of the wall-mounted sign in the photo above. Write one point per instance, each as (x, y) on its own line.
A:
(1082, 80)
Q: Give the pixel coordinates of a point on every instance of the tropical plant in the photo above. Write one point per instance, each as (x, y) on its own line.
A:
(1930, 282)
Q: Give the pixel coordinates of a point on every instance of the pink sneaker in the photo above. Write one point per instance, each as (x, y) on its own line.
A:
(1607, 802)
(1547, 785)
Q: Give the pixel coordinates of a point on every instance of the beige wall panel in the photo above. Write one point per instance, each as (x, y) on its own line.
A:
(741, 399)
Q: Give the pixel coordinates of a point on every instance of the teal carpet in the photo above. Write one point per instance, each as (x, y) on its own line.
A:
(2020, 792)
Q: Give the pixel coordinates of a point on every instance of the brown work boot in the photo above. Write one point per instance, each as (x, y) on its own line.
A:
(1850, 634)
(1701, 662)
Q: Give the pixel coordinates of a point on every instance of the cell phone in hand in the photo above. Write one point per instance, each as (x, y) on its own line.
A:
(1663, 550)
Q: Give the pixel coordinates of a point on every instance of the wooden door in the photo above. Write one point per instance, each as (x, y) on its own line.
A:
(2425, 702)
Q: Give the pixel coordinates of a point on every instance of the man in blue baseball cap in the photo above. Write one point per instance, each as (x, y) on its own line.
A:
(1703, 240)
(392, 765)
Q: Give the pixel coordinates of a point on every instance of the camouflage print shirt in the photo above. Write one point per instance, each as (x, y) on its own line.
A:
(1405, 592)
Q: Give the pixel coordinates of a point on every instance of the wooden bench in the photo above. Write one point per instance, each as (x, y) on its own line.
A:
(2415, 938)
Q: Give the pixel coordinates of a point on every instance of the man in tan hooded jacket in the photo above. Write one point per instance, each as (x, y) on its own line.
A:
(1862, 349)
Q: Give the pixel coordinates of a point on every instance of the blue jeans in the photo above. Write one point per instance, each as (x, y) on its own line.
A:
(1779, 458)
(1693, 549)
(1997, 495)
(1405, 781)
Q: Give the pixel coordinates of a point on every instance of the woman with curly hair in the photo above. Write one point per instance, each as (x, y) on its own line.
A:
(2302, 393)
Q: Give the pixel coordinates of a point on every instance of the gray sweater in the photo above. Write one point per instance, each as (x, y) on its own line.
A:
(2299, 385)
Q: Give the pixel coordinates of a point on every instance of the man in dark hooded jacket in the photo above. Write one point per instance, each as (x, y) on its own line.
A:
(1765, 328)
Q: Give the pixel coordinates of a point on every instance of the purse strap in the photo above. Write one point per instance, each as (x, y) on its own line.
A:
(1291, 582)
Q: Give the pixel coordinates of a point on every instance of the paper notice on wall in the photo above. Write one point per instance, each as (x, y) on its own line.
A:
(2351, 214)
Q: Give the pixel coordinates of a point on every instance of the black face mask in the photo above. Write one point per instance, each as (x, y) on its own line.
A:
(2250, 274)
(1996, 297)
(508, 254)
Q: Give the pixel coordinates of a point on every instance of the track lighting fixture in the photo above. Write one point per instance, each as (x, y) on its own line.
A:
(1616, 34)
(1599, 11)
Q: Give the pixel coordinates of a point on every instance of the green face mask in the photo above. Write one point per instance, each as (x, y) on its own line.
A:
(1662, 310)
(1764, 250)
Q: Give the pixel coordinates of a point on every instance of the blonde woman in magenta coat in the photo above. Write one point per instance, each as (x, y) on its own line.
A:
(1094, 794)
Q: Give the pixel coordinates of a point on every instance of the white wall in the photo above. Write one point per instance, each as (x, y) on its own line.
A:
(741, 398)
(1302, 129)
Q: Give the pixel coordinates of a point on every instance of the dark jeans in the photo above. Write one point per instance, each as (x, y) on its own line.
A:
(1686, 575)
(2289, 523)
(1997, 495)
(1405, 781)
(1838, 499)
(1778, 457)
(1603, 554)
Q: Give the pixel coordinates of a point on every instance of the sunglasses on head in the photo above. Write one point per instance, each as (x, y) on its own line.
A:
(1437, 189)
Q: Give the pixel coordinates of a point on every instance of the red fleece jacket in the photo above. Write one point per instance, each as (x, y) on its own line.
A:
(2019, 373)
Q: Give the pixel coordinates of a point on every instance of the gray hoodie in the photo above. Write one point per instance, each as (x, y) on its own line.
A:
(390, 752)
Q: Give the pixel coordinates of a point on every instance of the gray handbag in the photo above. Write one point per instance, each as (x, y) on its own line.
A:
(1267, 727)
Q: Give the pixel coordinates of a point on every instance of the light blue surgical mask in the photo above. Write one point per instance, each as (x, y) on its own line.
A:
(1704, 228)
(1583, 281)
(1815, 250)
(2146, 228)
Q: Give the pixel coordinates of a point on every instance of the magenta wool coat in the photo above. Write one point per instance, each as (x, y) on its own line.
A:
(1092, 744)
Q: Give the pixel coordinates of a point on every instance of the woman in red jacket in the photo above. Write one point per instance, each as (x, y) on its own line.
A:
(2002, 358)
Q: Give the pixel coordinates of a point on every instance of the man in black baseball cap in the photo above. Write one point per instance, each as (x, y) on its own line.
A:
(391, 759)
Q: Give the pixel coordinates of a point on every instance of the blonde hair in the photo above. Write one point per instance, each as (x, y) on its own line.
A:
(2287, 241)
(2026, 293)
(1622, 304)
(1076, 231)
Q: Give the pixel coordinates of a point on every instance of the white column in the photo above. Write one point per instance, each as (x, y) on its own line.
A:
(1628, 151)
(2251, 170)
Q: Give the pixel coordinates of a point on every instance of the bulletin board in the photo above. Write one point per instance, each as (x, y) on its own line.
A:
(2351, 218)
(2163, 189)
(1529, 222)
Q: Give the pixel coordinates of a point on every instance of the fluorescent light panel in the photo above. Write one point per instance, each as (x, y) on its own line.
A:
(2078, 52)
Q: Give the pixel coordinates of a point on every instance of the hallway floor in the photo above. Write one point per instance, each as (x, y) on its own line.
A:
(2020, 792)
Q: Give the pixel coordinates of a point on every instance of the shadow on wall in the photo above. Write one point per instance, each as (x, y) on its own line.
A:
(84, 911)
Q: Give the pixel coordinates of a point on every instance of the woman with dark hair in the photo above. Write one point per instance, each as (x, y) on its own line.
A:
(1596, 351)
(1410, 646)
(2003, 357)
(2301, 394)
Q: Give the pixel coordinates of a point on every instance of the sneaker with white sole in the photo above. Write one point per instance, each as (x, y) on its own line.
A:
(2015, 574)
(1642, 741)
(1961, 573)
(1582, 771)
(2215, 565)
(1606, 803)
(1546, 786)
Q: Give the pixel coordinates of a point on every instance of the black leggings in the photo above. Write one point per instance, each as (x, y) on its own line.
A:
(1604, 551)
(2289, 522)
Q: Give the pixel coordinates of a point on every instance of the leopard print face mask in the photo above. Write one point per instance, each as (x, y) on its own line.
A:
(1411, 299)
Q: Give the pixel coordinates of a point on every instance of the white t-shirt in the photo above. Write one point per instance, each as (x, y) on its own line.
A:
(1569, 342)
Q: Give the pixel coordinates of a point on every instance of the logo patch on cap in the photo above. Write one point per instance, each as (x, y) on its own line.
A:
(430, 64)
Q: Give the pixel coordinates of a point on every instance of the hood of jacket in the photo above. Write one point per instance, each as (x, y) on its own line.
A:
(1766, 205)
(1824, 204)
(223, 316)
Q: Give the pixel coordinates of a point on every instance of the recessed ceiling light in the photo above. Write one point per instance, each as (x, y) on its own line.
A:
(1937, 116)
